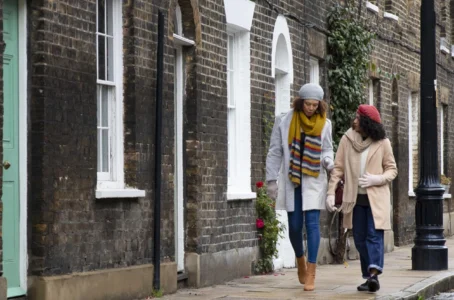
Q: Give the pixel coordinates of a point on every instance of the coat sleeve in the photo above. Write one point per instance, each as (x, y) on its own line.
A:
(338, 172)
(275, 152)
(389, 163)
(327, 143)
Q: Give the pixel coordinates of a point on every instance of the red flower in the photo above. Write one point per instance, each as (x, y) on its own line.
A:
(259, 223)
(259, 184)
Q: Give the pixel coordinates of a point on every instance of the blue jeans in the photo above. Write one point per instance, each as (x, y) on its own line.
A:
(368, 241)
(295, 228)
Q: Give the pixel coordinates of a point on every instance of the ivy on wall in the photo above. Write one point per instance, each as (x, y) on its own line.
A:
(349, 47)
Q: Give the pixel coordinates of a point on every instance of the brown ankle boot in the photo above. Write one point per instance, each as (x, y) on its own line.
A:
(310, 278)
(301, 263)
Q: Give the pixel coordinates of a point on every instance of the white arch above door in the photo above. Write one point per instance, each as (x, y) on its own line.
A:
(281, 37)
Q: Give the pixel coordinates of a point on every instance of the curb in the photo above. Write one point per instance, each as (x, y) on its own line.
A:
(425, 288)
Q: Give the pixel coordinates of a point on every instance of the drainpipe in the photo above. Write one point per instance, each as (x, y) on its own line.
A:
(158, 158)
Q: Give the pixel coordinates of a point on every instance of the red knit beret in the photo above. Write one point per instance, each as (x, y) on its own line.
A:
(369, 111)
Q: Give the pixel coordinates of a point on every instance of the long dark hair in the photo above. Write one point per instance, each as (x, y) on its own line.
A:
(298, 104)
(372, 129)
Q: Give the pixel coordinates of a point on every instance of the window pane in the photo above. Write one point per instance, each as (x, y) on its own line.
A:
(109, 17)
(99, 151)
(105, 107)
(105, 150)
(99, 97)
(101, 15)
(101, 58)
(110, 66)
(231, 156)
(230, 55)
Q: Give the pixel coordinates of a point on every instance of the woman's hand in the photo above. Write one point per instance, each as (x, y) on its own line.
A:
(330, 200)
(271, 189)
(371, 180)
(328, 164)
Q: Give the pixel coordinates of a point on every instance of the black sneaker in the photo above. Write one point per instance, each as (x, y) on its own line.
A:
(373, 284)
(363, 287)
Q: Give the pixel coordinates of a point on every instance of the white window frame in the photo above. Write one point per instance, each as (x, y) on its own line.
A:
(442, 139)
(239, 115)
(314, 70)
(411, 98)
(111, 184)
(239, 14)
(371, 92)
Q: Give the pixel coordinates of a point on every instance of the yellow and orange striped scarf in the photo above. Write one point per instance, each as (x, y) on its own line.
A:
(309, 162)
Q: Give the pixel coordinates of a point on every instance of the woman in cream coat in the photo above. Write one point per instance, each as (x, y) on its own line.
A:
(365, 159)
(299, 156)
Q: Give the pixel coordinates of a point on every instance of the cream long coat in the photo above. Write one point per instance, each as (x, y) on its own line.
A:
(380, 161)
(277, 164)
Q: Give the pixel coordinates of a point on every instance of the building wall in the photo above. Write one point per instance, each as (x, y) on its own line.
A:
(71, 230)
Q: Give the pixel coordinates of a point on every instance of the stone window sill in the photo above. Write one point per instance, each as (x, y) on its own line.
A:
(444, 49)
(241, 196)
(391, 16)
(119, 193)
(372, 7)
(445, 196)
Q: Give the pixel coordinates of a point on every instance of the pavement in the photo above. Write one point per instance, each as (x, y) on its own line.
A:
(336, 282)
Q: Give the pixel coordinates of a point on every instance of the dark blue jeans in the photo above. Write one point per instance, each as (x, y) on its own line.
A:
(295, 228)
(368, 241)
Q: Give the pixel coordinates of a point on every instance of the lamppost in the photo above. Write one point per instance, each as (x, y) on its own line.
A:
(429, 251)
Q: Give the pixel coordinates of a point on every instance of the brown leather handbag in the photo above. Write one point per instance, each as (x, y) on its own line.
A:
(339, 193)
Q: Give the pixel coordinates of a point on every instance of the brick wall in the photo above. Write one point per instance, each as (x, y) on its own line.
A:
(70, 230)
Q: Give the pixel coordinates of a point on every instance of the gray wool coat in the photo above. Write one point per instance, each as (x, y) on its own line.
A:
(277, 165)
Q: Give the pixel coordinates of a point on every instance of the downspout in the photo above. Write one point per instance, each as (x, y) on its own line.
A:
(158, 158)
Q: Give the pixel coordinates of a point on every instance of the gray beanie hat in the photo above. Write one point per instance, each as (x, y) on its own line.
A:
(311, 91)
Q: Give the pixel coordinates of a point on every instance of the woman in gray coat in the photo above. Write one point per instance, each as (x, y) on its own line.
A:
(300, 154)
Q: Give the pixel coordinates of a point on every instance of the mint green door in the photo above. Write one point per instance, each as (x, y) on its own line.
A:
(10, 162)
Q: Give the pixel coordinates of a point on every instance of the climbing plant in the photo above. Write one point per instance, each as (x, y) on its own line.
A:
(349, 48)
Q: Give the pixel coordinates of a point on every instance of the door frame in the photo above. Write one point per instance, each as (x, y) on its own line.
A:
(23, 145)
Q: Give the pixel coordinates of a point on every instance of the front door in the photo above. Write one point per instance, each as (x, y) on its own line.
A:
(10, 198)
(179, 203)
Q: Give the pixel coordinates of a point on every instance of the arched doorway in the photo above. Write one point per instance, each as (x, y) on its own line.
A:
(183, 48)
(282, 71)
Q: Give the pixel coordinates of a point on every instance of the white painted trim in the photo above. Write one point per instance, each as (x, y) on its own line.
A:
(444, 49)
(178, 158)
(119, 193)
(116, 181)
(371, 92)
(22, 39)
(178, 21)
(314, 70)
(410, 147)
(442, 140)
(239, 117)
(239, 14)
(445, 196)
(241, 196)
(372, 7)
(391, 16)
(182, 41)
(281, 27)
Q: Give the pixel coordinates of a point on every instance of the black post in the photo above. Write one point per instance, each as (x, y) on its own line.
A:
(429, 251)
(158, 151)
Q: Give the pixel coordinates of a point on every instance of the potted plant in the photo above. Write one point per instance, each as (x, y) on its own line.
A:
(445, 182)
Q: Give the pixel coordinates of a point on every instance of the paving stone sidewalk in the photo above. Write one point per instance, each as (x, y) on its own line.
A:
(336, 282)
